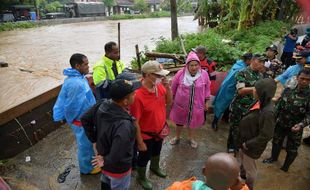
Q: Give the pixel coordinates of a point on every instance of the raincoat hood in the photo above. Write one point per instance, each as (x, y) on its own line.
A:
(265, 89)
(70, 72)
(192, 56)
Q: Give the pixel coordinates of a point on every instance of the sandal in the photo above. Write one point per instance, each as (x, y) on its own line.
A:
(175, 141)
(193, 143)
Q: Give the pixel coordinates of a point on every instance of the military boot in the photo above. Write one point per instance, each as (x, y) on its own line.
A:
(307, 140)
(290, 157)
(142, 179)
(155, 167)
(276, 149)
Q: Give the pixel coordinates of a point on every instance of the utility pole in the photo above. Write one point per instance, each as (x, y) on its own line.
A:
(174, 20)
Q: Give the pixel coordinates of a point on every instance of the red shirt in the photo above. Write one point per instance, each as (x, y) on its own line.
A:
(150, 110)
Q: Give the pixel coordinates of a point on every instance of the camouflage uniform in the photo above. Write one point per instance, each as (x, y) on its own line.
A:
(293, 108)
(241, 104)
(276, 68)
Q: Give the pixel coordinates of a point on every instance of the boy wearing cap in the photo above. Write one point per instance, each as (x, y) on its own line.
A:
(149, 109)
(244, 99)
(227, 90)
(276, 66)
(116, 134)
(301, 59)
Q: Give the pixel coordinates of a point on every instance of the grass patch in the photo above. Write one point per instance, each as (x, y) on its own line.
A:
(17, 25)
(141, 16)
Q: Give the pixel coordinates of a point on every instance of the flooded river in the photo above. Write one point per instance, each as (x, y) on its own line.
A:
(37, 56)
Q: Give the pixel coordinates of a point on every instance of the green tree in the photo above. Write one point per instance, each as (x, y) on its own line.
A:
(140, 5)
(53, 6)
(109, 4)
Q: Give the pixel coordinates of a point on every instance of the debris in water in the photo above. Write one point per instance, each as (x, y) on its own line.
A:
(62, 177)
(33, 122)
(28, 159)
(3, 64)
(25, 70)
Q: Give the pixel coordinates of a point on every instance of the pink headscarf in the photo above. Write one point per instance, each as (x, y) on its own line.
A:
(192, 56)
(188, 79)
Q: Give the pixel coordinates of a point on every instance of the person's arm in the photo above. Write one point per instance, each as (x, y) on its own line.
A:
(168, 95)
(305, 122)
(136, 111)
(140, 142)
(266, 128)
(75, 101)
(241, 88)
(99, 74)
(208, 92)
(284, 76)
(292, 37)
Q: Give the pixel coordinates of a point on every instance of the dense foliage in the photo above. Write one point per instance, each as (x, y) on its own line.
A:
(225, 46)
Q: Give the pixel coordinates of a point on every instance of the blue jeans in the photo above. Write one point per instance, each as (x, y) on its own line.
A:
(115, 183)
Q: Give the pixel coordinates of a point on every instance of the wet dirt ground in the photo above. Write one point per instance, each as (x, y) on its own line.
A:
(57, 151)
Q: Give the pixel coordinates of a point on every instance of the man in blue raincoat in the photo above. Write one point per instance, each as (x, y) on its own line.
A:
(227, 90)
(73, 100)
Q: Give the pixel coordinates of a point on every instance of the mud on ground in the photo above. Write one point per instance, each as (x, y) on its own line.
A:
(57, 151)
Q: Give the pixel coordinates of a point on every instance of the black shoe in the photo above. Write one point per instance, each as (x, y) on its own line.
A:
(284, 169)
(214, 123)
(269, 161)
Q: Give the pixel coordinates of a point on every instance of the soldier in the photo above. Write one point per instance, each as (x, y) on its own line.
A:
(293, 114)
(276, 66)
(244, 99)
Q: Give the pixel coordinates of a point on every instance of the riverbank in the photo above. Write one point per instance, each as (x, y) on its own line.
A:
(31, 24)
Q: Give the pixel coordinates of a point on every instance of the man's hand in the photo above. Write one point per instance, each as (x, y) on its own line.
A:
(296, 128)
(244, 146)
(142, 146)
(207, 105)
(97, 161)
(165, 82)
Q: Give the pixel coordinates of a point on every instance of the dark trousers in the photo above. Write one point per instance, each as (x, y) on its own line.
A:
(287, 59)
(153, 149)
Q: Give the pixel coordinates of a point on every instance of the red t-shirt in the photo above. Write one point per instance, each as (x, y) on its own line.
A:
(150, 110)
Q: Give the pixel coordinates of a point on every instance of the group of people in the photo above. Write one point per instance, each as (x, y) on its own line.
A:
(126, 130)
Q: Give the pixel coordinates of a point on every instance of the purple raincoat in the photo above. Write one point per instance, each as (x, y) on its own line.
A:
(189, 101)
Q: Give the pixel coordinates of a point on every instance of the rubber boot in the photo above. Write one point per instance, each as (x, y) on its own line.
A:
(275, 152)
(290, 157)
(214, 123)
(155, 167)
(142, 179)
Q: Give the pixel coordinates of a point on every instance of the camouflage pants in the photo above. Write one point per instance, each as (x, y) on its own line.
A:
(293, 138)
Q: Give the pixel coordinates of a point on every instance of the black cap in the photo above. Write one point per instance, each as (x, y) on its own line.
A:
(121, 88)
(301, 54)
(273, 48)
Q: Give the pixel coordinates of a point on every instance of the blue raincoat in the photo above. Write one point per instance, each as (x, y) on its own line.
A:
(73, 100)
(227, 90)
(289, 73)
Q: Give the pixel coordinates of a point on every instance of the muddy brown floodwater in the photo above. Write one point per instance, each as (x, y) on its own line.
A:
(44, 52)
(57, 151)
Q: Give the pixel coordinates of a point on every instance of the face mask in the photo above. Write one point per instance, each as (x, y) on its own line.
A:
(157, 81)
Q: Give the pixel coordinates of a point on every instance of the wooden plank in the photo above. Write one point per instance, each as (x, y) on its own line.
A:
(29, 105)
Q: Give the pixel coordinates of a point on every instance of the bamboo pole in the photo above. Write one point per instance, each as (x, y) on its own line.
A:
(138, 57)
(119, 38)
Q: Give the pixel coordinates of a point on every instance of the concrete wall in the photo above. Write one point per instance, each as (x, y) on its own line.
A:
(71, 20)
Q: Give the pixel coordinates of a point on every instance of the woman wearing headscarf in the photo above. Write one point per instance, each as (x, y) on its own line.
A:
(191, 93)
(256, 128)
